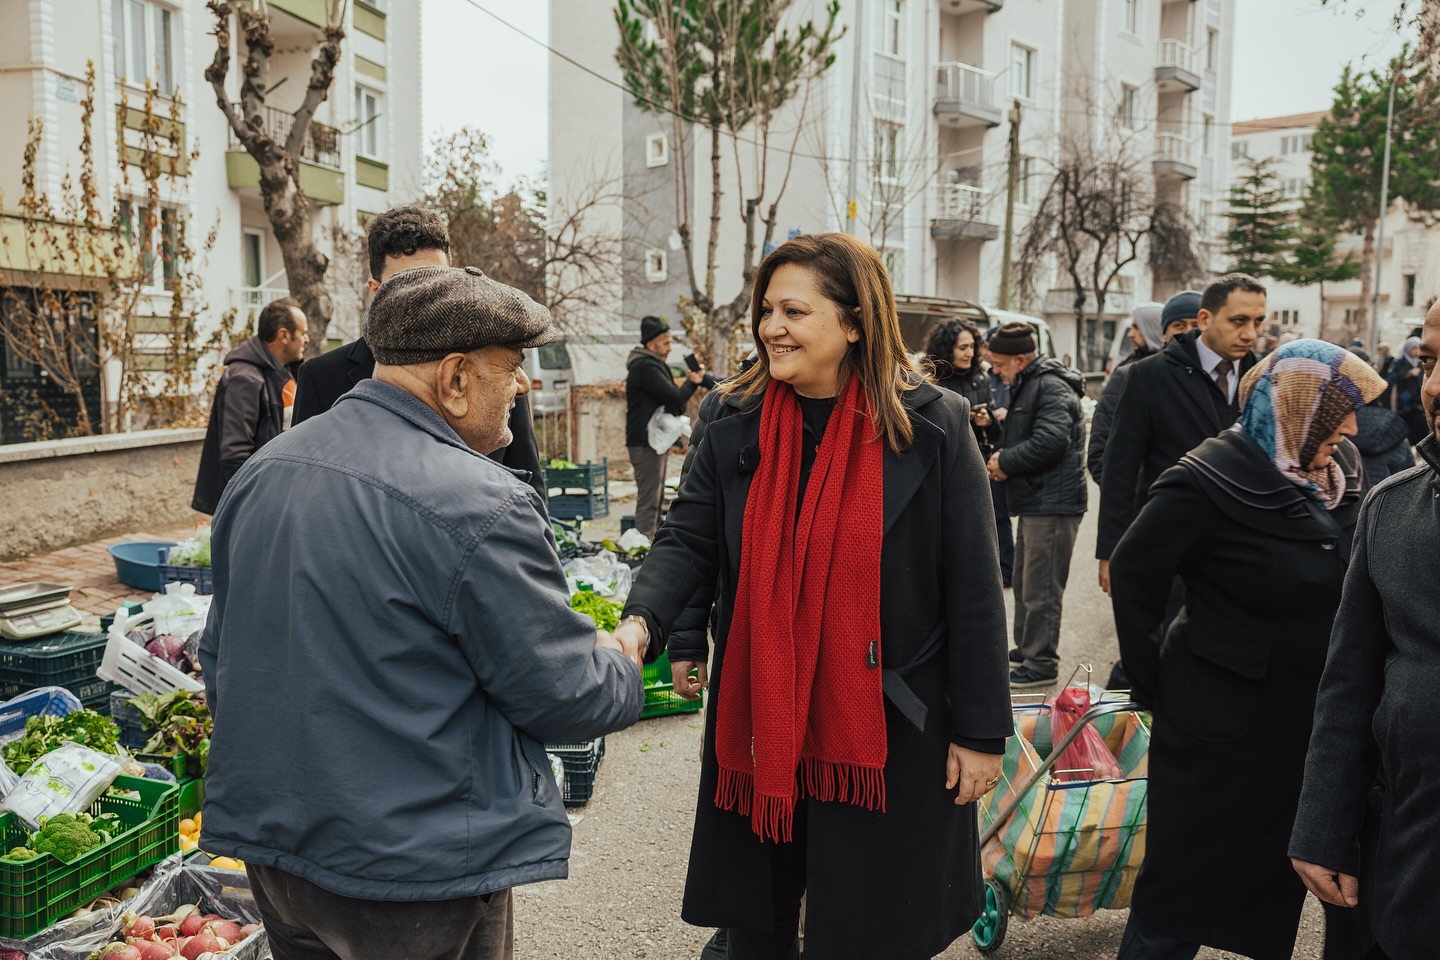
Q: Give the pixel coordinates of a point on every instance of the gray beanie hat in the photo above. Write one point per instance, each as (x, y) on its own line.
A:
(426, 313)
(1147, 320)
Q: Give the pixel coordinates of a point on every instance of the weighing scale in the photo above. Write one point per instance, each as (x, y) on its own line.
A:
(29, 611)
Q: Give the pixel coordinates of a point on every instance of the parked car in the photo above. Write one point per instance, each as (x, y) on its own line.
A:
(551, 375)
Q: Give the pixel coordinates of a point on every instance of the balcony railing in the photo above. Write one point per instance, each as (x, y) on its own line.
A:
(1173, 148)
(321, 147)
(960, 201)
(962, 82)
(1175, 53)
(887, 92)
(245, 299)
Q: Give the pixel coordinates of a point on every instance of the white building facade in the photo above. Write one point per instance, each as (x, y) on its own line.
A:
(940, 84)
(1408, 255)
(363, 155)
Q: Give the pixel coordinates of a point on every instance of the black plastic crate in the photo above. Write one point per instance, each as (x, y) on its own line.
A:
(202, 577)
(581, 761)
(62, 660)
(134, 731)
(94, 694)
(581, 492)
(590, 506)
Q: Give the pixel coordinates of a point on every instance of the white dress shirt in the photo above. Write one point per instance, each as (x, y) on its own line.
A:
(1209, 360)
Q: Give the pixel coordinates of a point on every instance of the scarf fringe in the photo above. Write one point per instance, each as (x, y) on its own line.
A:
(843, 783)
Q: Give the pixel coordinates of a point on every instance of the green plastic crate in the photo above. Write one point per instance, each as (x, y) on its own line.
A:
(660, 697)
(192, 796)
(36, 893)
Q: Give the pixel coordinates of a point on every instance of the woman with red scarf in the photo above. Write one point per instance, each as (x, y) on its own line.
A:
(839, 507)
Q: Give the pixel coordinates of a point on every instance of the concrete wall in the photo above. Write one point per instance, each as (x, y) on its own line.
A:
(60, 492)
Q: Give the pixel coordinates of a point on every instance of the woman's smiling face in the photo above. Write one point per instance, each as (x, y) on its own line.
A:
(804, 336)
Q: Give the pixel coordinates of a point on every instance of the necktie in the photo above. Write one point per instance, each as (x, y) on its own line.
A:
(1222, 377)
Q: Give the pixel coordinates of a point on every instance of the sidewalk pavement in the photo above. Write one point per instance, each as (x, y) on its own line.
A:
(88, 569)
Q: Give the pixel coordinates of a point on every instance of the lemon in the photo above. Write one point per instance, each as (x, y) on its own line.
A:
(186, 844)
(188, 826)
(226, 863)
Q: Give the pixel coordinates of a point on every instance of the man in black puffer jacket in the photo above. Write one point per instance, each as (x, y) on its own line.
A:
(1041, 458)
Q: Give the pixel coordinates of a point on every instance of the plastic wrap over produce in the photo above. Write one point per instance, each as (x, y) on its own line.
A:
(175, 884)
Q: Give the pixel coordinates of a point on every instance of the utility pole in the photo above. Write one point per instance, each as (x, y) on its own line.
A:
(852, 188)
(1014, 179)
(1380, 231)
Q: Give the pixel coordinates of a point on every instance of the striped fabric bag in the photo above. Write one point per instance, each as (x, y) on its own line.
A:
(1074, 846)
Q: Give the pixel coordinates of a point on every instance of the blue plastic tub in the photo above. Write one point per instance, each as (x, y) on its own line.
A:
(137, 564)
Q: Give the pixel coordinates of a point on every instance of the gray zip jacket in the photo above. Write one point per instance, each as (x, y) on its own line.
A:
(390, 642)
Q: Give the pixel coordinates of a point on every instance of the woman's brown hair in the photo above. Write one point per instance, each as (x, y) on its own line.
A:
(849, 273)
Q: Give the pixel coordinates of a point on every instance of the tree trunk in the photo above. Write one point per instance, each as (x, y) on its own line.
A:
(305, 265)
(1359, 325)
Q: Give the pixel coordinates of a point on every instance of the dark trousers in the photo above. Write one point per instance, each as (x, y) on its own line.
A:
(306, 922)
(649, 487)
(1141, 944)
(1003, 530)
(1042, 568)
(788, 884)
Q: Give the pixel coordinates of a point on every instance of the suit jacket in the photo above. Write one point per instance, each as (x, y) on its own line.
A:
(942, 625)
(326, 378)
(1168, 406)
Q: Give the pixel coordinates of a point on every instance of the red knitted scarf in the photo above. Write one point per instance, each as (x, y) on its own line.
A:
(800, 687)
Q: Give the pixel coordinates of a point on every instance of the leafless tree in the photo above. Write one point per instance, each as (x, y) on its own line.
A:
(277, 148)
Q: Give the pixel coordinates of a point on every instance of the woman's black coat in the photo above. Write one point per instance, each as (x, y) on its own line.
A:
(904, 883)
(974, 386)
(1233, 689)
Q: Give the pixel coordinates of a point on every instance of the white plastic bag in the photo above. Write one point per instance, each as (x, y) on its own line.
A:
(66, 780)
(665, 428)
(603, 571)
(179, 611)
(632, 540)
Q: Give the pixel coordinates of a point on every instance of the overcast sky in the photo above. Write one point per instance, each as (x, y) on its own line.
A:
(475, 71)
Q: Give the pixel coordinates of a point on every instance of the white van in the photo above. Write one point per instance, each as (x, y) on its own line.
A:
(551, 375)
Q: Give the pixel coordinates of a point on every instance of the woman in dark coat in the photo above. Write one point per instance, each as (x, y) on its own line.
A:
(858, 705)
(953, 351)
(1257, 522)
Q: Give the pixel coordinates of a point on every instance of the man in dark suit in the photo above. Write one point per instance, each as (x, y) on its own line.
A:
(1175, 400)
(399, 239)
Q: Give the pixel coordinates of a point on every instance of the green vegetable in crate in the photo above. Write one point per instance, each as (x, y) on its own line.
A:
(181, 720)
(605, 613)
(66, 837)
(21, 854)
(45, 733)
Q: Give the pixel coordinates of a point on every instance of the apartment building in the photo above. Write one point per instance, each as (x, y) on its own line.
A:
(1409, 254)
(363, 153)
(940, 85)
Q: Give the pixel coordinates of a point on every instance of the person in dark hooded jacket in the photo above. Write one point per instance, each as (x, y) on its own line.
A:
(249, 407)
(1041, 458)
(1383, 442)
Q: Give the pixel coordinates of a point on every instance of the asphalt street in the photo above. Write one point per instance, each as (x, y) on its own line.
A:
(632, 840)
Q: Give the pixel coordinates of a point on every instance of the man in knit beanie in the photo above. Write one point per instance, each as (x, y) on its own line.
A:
(1041, 461)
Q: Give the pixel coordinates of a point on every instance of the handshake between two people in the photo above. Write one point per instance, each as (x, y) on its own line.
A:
(631, 637)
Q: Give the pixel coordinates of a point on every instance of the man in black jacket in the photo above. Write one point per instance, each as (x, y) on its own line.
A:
(1377, 709)
(249, 407)
(650, 387)
(1041, 458)
(1174, 401)
(399, 239)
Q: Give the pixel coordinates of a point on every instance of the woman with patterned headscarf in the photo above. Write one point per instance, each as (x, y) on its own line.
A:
(1257, 523)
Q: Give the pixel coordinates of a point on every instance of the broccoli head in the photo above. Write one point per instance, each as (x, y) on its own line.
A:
(65, 837)
(21, 853)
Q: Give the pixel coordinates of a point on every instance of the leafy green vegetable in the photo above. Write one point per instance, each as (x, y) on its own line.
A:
(67, 836)
(559, 463)
(45, 733)
(192, 551)
(605, 613)
(21, 853)
(620, 551)
(182, 723)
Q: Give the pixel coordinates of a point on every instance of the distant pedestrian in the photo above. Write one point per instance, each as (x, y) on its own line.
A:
(999, 411)
(1147, 317)
(1041, 460)
(1257, 522)
(1405, 379)
(1381, 437)
(1376, 712)
(650, 387)
(249, 407)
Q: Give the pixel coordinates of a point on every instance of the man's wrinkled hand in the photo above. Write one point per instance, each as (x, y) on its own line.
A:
(634, 641)
(685, 685)
(992, 468)
(1332, 886)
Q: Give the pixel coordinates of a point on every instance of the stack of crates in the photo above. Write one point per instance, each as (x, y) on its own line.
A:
(581, 492)
(581, 761)
(64, 660)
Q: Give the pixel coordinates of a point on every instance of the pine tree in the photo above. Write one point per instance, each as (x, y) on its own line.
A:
(1313, 258)
(1262, 222)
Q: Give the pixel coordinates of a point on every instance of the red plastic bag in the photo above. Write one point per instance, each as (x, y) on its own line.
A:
(1087, 758)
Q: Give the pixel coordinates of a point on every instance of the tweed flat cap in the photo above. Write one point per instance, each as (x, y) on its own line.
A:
(426, 313)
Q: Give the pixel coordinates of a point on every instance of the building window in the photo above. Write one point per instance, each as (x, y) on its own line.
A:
(894, 258)
(252, 258)
(887, 152)
(1129, 113)
(1025, 185)
(143, 44)
(892, 36)
(1130, 16)
(1239, 149)
(1212, 50)
(1207, 137)
(1299, 143)
(1409, 289)
(1207, 219)
(156, 237)
(657, 150)
(655, 266)
(1022, 71)
(368, 140)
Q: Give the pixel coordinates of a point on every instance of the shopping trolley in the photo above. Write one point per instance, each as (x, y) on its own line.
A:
(1063, 848)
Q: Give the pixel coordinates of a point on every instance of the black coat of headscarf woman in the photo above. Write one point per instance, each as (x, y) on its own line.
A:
(953, 352)
(1257, 522)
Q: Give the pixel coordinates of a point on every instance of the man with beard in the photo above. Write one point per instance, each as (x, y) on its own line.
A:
(1377, 710)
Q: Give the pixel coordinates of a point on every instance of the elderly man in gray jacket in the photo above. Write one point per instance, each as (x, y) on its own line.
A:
(390, 642)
